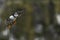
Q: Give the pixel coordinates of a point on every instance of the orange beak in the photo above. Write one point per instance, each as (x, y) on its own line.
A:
(14, 22)
(9, 26)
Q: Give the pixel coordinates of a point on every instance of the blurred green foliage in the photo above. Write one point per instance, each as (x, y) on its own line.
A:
(24, 23)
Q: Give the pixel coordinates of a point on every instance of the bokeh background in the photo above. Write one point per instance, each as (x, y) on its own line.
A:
(38, 22)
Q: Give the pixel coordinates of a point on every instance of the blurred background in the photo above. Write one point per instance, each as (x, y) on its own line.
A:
(40, 21)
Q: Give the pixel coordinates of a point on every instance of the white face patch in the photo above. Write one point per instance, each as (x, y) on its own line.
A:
(58, 18)
(11, 17)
